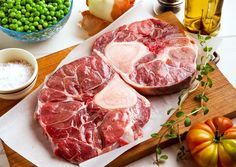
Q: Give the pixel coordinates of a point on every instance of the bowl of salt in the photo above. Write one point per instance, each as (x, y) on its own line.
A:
(18, 73)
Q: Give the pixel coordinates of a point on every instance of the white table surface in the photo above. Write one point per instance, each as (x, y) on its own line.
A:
(72, 34)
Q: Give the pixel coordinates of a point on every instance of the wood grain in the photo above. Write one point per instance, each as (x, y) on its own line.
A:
(222, 102)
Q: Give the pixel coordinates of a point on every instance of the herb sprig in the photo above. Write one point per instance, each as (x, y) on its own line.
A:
(202, 79)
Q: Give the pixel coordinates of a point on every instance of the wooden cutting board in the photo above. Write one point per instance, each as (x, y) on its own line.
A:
(222, 102)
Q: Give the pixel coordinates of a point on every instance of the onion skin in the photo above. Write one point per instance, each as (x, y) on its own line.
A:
(213, 143)
(92, 24)
(109, 10)
(120, 7)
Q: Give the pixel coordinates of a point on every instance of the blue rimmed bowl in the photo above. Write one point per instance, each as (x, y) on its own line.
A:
(41, 35)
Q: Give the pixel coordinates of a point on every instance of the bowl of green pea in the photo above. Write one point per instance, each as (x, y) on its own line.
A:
(33, 20)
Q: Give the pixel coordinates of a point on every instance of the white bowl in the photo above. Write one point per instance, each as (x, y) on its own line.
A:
(15, 54)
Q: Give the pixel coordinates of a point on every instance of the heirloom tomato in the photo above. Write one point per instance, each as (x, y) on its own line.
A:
(213, 143)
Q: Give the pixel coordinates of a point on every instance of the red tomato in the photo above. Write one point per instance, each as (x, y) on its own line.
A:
(213, 143)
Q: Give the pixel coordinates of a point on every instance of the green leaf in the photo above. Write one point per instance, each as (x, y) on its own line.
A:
(205, 98)
(203, 83)
(155, 135)
(209, 67)
(199, 36)
(205, 110)
(180, 114)
(170, 110)
(198, 97)
(164, 157)
(209, 82)
(158, 150)
(171, 136)
(207, 38)
(201, 39)
(194, 113)
(198, 67)
(187, 122)
(204, 71)
(171, 122)
(199, 78)
(207, 49)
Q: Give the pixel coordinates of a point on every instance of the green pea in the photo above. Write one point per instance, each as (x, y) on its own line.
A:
(43, 17)
(49, 17)
(45, 24)
(31, 19)
(35, 23)
(10, 5)
(5, 9)
(20, 29)
(67, 4)
(12, 15)
(18, 7)
(61, 12)
(40, 27)
(18, 16)
(10, 20)
(61, 6)
(23, 10)
(28, 7)
(22, 2)
(26, 27)
(27, 14)
(4, 20)
(58, 14)
(47, 13)
(23, 19)
(37, 13)
(54, 22)
(2, 14)
(32, 28)
(27, 22)
(5, 4)
(41, 21)
(33, 10)
(19, 23)
(50, 7)
(36, 18)
(6, 26)
(52, 13)
(66, 11)
(13, 26)
(14, 21)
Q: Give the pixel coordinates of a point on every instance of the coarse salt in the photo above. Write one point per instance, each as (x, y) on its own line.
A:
(14, 74)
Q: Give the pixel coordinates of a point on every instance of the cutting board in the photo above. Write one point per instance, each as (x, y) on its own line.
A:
(222, 102)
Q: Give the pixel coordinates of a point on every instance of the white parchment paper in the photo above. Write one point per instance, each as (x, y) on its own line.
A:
(23, 134)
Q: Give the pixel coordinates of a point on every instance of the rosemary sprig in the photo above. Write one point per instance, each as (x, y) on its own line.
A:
(172, 126)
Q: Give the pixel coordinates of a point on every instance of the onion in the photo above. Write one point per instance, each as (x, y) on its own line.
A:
(108, 10)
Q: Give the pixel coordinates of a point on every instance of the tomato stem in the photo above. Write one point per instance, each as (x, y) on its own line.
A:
(217, 136)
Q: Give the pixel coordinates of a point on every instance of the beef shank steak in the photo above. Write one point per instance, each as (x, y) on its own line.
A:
(86, 109)
(90, 106)
(152, 56)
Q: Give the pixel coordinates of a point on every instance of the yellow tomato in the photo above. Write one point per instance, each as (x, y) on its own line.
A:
(213, 143)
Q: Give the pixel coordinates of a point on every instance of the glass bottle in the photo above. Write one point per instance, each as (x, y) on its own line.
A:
(203, 16)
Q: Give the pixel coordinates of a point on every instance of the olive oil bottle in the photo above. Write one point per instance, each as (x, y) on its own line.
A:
(203, 16)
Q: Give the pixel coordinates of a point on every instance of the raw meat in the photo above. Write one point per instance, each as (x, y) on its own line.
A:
(152, 56)
(86, 109)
